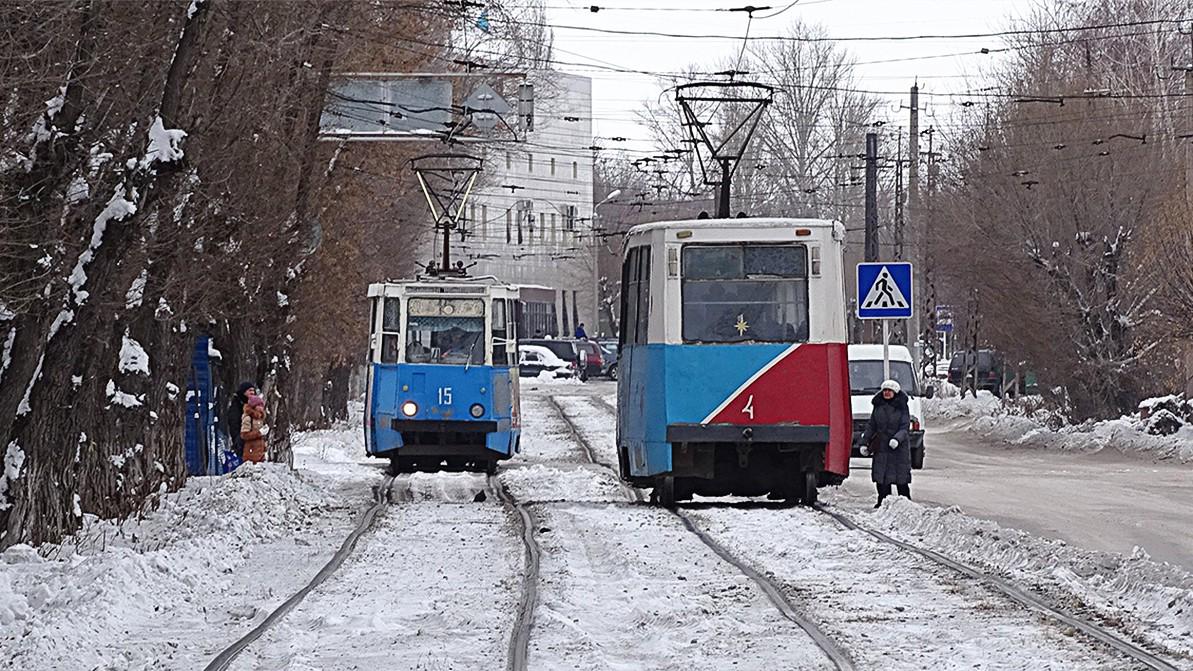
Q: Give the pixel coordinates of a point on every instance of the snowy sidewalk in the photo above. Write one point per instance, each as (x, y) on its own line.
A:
(171, 590)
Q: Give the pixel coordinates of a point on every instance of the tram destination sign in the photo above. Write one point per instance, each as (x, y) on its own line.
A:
(884, 291)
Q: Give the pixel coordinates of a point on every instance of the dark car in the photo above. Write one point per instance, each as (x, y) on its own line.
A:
(584, 355)
(989, 369)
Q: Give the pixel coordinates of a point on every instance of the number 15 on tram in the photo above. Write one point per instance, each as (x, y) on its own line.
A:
(734, 360)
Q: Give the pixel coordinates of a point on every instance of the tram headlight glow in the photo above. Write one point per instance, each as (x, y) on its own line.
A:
(477, 410)
(410, 408)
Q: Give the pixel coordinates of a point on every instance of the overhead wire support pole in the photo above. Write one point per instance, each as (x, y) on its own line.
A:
(1188, 70)
(871, 197)
(911, 217)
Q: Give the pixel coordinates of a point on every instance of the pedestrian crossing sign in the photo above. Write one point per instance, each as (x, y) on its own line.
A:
(884, 291)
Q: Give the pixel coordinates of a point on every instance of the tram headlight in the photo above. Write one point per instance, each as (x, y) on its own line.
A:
(410, 408)
(477, 410)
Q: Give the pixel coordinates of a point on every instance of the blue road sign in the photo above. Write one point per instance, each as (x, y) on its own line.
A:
(884, 291)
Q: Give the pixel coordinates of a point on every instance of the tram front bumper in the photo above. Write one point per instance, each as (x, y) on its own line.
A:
(444, 425)
(753, 433)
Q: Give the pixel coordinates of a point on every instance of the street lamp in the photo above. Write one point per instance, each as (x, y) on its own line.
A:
(596, 262)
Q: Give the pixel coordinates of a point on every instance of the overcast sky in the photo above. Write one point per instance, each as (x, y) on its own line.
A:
(616, 96)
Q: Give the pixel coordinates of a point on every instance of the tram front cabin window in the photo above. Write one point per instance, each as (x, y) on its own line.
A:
(391, 327)
(745, 293)
(445, 331)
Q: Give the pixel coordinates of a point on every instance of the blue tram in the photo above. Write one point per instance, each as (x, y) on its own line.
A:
(734, 372)
(442, 390)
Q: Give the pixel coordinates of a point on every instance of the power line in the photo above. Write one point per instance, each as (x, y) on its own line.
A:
(858, 38)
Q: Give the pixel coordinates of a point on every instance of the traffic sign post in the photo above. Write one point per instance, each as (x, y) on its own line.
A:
(884, 291)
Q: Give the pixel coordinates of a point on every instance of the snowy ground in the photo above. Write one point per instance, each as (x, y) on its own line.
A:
(432, 587)
(435, 583)
(168, 591)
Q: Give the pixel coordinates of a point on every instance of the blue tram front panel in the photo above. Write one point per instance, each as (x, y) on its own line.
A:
(443, 410)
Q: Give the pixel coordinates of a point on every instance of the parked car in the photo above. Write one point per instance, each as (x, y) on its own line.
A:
(609, 356)
(592, 359)
(865, 380)
(533, 360)
(990, 369)
(584, 355)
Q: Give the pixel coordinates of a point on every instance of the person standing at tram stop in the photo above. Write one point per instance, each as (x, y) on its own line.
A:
(886, 440)
(235, 413)
(253, 429)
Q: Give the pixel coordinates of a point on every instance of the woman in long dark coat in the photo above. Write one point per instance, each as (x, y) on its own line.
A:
(886, 440)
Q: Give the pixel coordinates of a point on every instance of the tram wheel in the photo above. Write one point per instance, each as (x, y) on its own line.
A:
(664, 491)
(811, 480)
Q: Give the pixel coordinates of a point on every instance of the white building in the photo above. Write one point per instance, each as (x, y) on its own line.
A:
(529, 221)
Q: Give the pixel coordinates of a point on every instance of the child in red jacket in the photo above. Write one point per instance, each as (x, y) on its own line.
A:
(253, 429)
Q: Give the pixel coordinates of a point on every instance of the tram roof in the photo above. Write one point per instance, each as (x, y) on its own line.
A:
(732, 224)
(439, 283)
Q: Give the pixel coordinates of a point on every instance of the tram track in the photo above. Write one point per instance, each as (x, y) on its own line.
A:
(1023, 597)
(519, 643)
(774, 593)
(382, 496)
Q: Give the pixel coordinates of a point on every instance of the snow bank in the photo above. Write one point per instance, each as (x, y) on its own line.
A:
(1027, 425)
(951, 407)
(1153, 601)
(128, 595)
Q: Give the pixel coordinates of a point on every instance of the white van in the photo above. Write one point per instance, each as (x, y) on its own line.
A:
(865, 378)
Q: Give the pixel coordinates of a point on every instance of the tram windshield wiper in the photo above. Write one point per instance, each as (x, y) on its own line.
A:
(471, 349)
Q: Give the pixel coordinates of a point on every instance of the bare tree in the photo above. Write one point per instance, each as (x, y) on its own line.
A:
(1051, 206)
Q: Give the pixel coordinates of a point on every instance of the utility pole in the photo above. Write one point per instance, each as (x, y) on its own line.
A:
(871, 249)
(871, 197)
(1188, 134)
(1188, 70)
(899, 200)
(911, 217)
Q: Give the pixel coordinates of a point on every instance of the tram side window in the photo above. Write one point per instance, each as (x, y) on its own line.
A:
(643, 311)
(500, 333)
(745, 293)
(391, 326)
(635, 296)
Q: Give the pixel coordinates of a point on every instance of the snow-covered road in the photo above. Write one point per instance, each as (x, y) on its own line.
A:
(1107, 501)
(436, 582)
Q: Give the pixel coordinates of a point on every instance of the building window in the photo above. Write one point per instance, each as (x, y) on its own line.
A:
(542, 226)
(508, 161)
(530, 163)
(575, 170)
(509, 226)
(552, 166)
(569, 217)
(484, 221)
(553, 238)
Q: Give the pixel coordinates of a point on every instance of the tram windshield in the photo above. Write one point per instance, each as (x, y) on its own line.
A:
(445, 331)
(745, 293)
